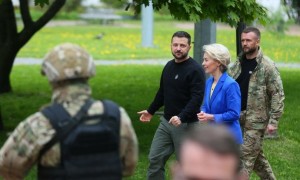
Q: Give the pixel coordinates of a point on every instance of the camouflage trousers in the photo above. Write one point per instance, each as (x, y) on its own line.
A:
(252, 153)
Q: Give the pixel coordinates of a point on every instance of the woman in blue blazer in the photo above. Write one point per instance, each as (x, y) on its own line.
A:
(222, 99)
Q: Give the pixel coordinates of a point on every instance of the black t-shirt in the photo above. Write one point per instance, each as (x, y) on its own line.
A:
(248, 65)
(181, 90)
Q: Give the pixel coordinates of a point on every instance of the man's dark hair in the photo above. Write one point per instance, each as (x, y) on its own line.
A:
(252, 29)
(182, 34)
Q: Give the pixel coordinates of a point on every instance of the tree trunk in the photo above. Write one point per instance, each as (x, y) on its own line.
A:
(8, 44)
(204, 33)
(11, 41)
(1, 122)
(4, 81)
(7, 59)
(238, 32)
(298, 15)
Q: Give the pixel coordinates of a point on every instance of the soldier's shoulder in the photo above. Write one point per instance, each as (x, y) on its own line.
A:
(267, 61)
(269, 65)
(38, 121)
(233, 63)
(32, 128)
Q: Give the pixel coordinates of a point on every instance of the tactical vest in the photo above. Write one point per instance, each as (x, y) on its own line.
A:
(88, 151)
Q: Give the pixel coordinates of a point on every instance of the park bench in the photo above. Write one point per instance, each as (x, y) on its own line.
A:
(104, 16)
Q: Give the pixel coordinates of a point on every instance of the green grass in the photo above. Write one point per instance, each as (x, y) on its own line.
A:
(123, 41)
(133, 87)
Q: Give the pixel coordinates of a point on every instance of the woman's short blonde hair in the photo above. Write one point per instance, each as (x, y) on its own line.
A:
(219, 53)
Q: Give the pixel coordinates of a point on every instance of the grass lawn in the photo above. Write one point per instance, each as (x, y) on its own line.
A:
(123, 41)
(133, 87)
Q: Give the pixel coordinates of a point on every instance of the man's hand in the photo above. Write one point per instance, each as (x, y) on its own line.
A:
(271, 129)
(145, 116)
(175, 120)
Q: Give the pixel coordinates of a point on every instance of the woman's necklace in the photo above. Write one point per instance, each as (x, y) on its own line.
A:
(213, 87)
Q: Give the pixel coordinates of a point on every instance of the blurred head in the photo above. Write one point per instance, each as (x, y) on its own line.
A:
(209, 153)
(250, 38)
(180, 45)
(216, 57)
(68, 62)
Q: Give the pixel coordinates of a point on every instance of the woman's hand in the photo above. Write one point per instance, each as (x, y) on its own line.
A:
(203, 117)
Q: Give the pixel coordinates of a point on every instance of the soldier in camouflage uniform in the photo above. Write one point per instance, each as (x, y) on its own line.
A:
(67, 68)
(262, 101)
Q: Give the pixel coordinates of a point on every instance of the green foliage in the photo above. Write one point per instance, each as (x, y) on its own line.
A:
(227, 11)
(134, 87)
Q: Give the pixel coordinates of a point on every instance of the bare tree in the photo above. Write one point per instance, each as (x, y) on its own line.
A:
(12, 40)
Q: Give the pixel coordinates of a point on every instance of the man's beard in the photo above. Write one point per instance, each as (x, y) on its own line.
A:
(183, 56)
(250, 51)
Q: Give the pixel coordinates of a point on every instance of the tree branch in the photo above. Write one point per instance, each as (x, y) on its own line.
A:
(50, 13)
(26, 18)
(29, 31)
(2, 25)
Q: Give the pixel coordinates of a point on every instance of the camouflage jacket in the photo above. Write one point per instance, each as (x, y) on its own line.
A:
(265, 93)
(21, 150)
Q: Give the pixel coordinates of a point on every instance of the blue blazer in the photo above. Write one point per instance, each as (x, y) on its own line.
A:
(224, 104)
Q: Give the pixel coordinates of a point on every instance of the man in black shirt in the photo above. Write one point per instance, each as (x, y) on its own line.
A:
(181, 93)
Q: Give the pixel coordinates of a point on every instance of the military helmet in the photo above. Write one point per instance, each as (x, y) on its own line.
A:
(68, 61)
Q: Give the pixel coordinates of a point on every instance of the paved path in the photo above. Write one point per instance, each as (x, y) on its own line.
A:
(36, 61)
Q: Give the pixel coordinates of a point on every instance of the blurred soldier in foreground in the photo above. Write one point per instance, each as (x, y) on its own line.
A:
(208, 152)
(75, 137)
